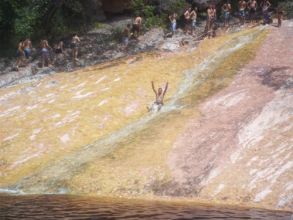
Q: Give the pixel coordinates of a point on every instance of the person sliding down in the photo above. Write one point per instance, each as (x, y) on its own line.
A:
(160, 94)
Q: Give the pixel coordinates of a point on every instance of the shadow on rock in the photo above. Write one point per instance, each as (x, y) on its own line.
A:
(277, 77)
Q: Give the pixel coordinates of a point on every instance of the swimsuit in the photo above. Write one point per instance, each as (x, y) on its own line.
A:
(135, 27)
(73, 45)
(173, 26)
(193, 23)
(27, 52)
(125, 40)
(155, 107)
(226, 15)
(45, 53)
(58, 50)
(242, 12)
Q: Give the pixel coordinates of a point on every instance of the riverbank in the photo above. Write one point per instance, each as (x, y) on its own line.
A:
(99, 45)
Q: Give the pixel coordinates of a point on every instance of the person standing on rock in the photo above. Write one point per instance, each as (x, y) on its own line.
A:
(187, 21)
(136, 27)
(210, 27)
(226, 8)
(280, 14)
(193, 17)
(265, 11)
(59, 48)
(19, 55)
(45, 53)
(173, 21)
(126, 35)
(74, 47)
(27, 44)
(252, 10)
(242, 7)
(159, 102)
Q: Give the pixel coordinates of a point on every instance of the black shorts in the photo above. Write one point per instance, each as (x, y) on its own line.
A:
(135, 27)
(58, 51)
(73, 46)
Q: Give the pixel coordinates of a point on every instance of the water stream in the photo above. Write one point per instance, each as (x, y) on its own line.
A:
(61, 171)
(70, 207)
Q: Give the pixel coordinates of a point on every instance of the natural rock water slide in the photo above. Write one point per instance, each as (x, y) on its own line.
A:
(89, 132)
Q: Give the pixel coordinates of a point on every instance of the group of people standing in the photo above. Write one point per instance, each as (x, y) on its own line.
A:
(132, 31)
(46, 52)
(247, 9)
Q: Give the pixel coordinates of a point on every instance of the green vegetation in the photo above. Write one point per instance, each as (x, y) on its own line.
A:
(52, 19)
(148, 12)
(42, 18)
(287, 6)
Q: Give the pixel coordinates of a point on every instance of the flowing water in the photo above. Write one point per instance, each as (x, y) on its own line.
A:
(69, 207)
(88, 132)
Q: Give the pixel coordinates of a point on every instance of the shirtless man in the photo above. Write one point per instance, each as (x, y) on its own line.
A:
(187, 20)
(173, 21)
(74, 46)
(265, 10)
(19, 55)
(212, 13)
(126, 35)
(160, 94)
(59, 48)
(193, 18)
(226, 10)
(136, 27)
(280, 14)
(252, 10)
(242, 8)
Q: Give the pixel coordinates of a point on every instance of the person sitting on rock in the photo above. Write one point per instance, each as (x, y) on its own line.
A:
(19, 55)
(136, 26)
(45, 53)
(160, 94)
(74, 47)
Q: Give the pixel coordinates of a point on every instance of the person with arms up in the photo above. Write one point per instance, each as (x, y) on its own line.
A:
(160, 95)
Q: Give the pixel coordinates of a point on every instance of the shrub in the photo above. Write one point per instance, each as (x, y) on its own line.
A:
(287, 6)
